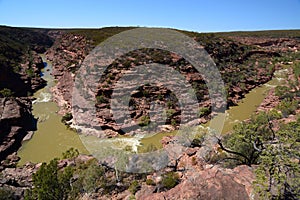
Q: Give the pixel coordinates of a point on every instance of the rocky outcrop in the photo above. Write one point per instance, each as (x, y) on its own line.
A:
(283, 44)
(20, 77)
(270, 102)
(16, 120)
(18, 180)
(66, 55)
(212, 182)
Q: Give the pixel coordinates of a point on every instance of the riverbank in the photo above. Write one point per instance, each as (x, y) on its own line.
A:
(52, 137)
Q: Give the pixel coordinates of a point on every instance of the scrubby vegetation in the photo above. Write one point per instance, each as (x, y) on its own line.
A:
(89, 179)
(144, 120)
(242, 68)
(170, 180)
(67, 117)
(51, 182)
(270, 142)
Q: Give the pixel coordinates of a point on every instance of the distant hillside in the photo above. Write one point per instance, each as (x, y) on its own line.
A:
(18, 58)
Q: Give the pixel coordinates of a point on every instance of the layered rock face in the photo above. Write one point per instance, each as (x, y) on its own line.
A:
(16, 120)
(66, 55)
(18, 179)
(242, 67)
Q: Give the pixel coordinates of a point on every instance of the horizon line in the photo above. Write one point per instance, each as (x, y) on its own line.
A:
(139, 26)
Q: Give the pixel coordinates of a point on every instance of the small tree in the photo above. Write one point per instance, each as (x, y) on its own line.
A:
(50, 183)
(245, 144)
(46, 183)
(278, 174)
(276, 154)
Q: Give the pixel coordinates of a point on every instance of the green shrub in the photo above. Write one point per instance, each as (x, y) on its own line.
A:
(92, 178)
(101, 99)
(173, 122)
(49, 183)
(198, 140)
(296, 70)
(134, 187)
(70, 154)
(144, 120)
(170, 180)
(170, 104)
(30, 73)
(204, 111)
(283, 92)
(150, 182)
(288, 106)
(67, 117)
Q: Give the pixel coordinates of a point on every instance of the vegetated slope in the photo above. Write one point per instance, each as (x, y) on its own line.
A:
(19, 62)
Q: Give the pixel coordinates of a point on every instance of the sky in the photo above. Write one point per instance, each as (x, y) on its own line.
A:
(194, 15)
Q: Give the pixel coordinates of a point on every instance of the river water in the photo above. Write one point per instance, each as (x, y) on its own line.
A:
(52, 137)
(235, 114)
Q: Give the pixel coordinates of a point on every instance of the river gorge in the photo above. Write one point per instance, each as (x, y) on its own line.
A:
(52, 137)
(38, 70)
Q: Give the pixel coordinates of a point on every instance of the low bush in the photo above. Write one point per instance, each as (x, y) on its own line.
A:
(170, 180)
